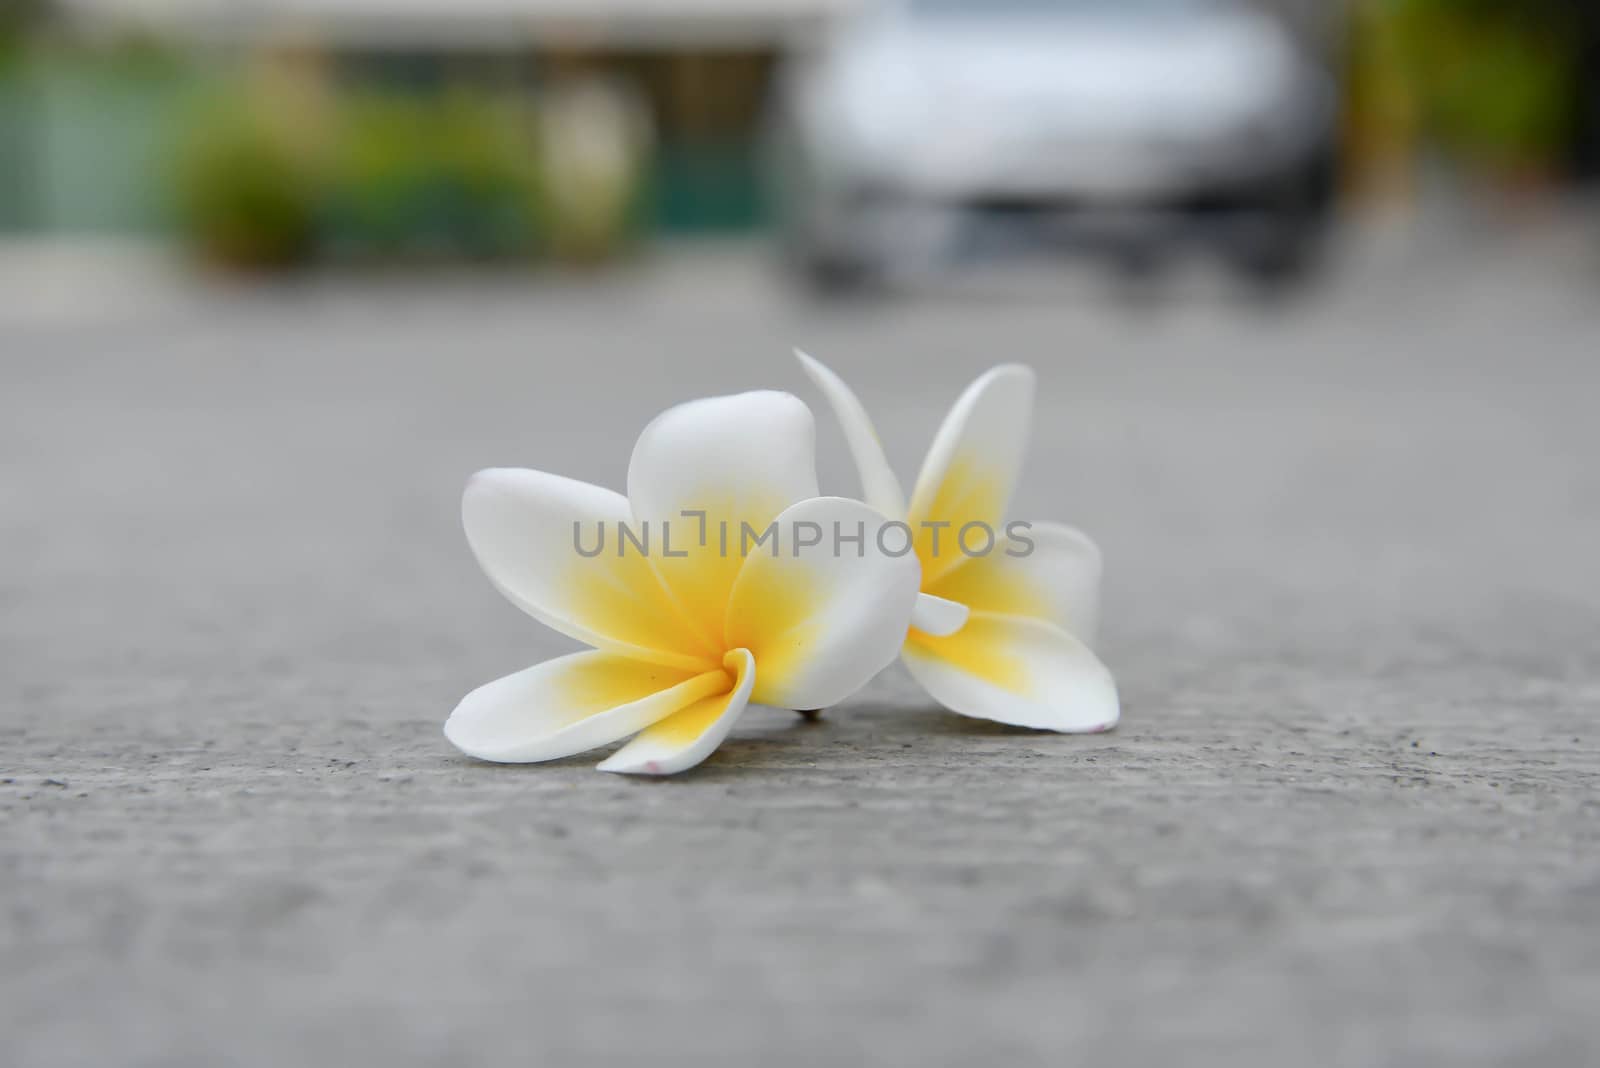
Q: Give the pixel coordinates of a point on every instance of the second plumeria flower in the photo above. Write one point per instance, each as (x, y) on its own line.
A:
(689, 620)
(999, 634)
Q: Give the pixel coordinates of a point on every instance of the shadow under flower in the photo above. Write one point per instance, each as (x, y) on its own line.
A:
(776, 740)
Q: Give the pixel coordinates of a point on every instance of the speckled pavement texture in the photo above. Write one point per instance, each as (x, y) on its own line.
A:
(1351, 817)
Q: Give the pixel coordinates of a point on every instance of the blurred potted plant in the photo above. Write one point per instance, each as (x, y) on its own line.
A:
(247, 196)
(388, 175)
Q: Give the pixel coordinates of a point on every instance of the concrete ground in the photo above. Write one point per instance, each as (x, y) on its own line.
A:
(1350, 818)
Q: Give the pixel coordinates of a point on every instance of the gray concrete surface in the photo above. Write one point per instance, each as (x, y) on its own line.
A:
(1350, 817)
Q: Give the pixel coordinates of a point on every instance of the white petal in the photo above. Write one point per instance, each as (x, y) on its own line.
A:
(879, 486)
(685, 738)
(572, 704)
(938, 616)
(823, 619)
(1020, 671)
(972, 466)
(521, 526)
(739, 461)
(1057, 580)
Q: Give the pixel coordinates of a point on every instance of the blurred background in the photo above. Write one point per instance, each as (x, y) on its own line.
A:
(1311, 290)
(872, 140)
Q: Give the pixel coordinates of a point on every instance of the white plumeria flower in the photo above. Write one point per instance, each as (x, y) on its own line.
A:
(685, 636)
(994, 636)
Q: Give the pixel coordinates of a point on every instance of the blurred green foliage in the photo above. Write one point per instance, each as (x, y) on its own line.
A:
(395, 175)
(278, 156)
(1493, 82)
(17, 18)
(413, 174)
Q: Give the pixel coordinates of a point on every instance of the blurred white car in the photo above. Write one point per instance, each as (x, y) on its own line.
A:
(1119, 122)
